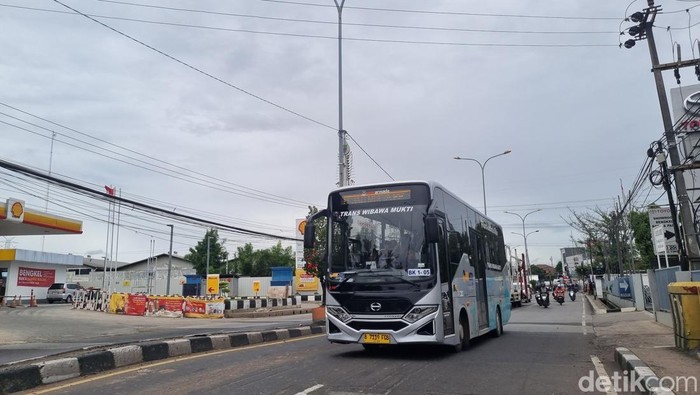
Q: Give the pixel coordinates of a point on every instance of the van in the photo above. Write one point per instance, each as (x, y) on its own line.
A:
(62, 292)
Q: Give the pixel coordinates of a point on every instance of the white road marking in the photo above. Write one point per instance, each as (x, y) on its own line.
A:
(310, 389)
(606, 382)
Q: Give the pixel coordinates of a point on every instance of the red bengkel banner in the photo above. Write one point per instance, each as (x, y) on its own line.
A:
(31, 277)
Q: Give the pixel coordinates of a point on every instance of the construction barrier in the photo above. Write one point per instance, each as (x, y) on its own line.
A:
(127, 304)
(91, 299)
(204, 307)
(165, 306)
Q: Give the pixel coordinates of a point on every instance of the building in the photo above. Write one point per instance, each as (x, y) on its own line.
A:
(572, 257)
(149, 275)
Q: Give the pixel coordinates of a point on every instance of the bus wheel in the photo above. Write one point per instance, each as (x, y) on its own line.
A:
(499, 324)
(462, 333)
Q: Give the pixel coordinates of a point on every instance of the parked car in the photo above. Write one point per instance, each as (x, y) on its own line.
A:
(62, 291)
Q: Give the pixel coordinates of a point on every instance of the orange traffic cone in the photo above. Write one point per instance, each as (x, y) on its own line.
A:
(32, 300)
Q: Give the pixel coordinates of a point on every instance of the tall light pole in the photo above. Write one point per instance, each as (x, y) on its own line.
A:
(522, 218)
(342, 165)
(483, 179)
(527, 257)
(170, 260)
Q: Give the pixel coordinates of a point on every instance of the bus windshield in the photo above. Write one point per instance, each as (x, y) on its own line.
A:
(378, 237)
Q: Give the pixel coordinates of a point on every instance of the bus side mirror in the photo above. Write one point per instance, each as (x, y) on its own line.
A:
(432, 230)
(309, 235)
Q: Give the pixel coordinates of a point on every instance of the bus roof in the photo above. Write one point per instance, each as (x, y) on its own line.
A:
(430, 183)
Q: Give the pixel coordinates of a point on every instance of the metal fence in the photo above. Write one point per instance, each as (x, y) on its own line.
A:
(695, 275)
(663, 277)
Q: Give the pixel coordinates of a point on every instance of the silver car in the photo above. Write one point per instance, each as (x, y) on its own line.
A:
(62, 291)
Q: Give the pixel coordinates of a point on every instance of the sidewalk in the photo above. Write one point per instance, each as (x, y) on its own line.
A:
(652, 342)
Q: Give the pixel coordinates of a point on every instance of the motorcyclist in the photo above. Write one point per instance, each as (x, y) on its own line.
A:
(558, 291)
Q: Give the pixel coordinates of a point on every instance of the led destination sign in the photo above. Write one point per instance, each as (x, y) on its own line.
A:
(376, 196)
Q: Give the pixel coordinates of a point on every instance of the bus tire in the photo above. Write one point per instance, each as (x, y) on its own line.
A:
(499, 324)
(462, 333)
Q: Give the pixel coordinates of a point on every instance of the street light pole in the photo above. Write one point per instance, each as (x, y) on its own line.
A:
(522, 218)
(483, 178)
(527, 257)
(342, 166)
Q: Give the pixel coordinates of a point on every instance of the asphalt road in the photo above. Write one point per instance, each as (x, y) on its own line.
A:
(27, 333)
(543, 351)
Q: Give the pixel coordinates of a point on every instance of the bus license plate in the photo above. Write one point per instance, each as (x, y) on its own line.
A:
(376, 338)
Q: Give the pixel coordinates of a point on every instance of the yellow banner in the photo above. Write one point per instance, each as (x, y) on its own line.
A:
(204, 308)
(305, 282)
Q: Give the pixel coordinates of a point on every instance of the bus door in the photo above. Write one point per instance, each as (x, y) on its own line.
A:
(445, 281)
(480, 277)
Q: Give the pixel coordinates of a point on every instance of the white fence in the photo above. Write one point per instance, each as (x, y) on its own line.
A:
(134, 281)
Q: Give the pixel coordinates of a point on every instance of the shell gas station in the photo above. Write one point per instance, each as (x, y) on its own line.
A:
(23, 272)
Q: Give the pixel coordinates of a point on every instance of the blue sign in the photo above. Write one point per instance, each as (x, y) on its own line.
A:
(625, 290)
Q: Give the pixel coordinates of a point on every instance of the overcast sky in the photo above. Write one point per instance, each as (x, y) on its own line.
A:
(238, 122)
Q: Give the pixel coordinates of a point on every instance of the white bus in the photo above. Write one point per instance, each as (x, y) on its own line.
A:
(409, 262)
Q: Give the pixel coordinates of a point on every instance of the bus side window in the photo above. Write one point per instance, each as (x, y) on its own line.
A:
(443, 259)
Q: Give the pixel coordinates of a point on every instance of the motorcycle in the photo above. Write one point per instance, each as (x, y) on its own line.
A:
(559, 298)
(543, 297)
(538, 298)
(572, 295)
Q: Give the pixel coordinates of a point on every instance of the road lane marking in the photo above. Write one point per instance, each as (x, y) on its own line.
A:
(146, 365)
(310, 389)
(606, 382)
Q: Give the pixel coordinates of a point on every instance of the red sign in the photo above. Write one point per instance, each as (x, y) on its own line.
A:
(31, 277)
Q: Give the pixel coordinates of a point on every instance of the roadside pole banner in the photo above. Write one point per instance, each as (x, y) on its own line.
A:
(204, 308)
(305, 282)
(213, 284)
(165, 306)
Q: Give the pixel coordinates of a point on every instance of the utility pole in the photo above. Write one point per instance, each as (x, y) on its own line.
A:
(686, 214)
(170, 261)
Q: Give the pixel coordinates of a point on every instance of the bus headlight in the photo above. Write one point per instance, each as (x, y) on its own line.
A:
(419, 312)
(339, 313)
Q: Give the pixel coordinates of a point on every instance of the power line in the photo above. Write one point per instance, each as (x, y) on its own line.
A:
(300, 35)
(197, 69)
(201, 71)
(255, 194)
(132, 203)
(444, 12)
(219, 13)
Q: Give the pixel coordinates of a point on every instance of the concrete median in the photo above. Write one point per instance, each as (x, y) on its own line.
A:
(26, 376)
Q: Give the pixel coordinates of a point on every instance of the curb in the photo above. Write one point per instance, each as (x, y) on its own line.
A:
(20, 378)
(630, 362)
(594, 308)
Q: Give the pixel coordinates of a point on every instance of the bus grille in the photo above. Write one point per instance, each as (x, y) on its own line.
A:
(377, 325)
(388, 306)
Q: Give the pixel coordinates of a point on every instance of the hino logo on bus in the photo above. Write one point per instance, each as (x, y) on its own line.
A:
(375, 306)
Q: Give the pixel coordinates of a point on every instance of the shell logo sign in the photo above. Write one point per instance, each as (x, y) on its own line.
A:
(301, 226)
(15, 210)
